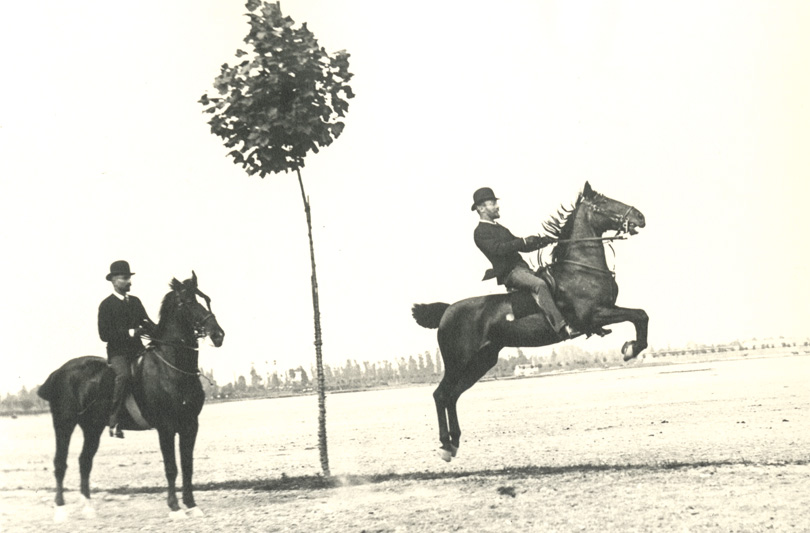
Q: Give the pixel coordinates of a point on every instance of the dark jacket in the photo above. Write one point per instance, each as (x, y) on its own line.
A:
(115, 318)
(501, 248)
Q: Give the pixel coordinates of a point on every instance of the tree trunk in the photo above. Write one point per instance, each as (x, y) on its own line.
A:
(318, 342)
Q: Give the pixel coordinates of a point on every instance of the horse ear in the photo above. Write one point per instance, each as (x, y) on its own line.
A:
(587, 192)
(175, 285)
(194, 278)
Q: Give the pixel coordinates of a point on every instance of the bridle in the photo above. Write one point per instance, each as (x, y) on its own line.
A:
(199, 325)
(199, 330)
(623, 221)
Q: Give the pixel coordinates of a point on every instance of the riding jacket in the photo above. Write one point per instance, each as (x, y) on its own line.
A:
(118, 321)
(501, 248)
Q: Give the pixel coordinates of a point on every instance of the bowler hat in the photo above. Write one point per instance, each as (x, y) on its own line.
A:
(482, 195)
(119, 268)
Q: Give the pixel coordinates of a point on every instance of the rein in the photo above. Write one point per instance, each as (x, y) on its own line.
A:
(621, 234)
(172, 344)
(617, 237)
(199, 331)
(187, 373)
(589, 267)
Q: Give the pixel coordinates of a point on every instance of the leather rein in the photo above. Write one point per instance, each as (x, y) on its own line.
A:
(624, 228)
(199, 332)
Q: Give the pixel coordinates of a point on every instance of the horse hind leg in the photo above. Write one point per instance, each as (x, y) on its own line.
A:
(440, 397)
(63, 429)
(92, 436)
(485, 359)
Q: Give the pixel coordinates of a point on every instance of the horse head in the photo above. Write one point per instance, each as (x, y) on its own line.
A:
(609, 214)
(198, 318)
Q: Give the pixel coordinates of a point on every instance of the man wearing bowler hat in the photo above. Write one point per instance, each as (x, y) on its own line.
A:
(121, 320)
(501, 248)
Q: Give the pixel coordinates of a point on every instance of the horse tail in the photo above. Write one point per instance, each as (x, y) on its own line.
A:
(45, 390)
(429, 315)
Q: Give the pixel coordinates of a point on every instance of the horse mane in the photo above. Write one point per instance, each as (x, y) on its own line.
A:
(167, 308)
(560, 226)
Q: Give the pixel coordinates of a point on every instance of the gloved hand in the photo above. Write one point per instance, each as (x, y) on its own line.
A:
(146, 327)
(535, 242)
(546, 240)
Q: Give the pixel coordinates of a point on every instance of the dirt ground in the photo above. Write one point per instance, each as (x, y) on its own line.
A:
(716, 446)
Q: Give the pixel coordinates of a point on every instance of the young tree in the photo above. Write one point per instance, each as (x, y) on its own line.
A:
(274, 382)
(284, 99)
(255, 378)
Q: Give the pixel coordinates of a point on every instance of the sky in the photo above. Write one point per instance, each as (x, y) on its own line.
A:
(694, 112)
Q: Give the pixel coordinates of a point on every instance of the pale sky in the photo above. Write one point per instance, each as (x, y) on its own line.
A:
(694, 112)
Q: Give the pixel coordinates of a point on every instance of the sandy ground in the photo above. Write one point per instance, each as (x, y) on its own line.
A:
(718, 446)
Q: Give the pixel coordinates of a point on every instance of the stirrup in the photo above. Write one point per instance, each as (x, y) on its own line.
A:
(568, 332)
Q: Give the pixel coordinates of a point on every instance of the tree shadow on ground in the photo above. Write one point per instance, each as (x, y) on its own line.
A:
(319, 482)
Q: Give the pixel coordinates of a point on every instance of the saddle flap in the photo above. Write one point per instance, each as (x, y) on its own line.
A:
(135, 413)
(523, 304)
(136, 420)
(546, 275)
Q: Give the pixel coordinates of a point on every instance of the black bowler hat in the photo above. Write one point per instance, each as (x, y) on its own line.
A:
(119, 268)
(482, 195)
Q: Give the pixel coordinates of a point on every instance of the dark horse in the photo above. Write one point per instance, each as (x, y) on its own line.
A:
(166, 388)
(473, 331)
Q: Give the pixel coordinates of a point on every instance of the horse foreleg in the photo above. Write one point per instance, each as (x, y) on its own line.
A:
(170, 466)
(188, 437)
(92, 435)
(639, 319)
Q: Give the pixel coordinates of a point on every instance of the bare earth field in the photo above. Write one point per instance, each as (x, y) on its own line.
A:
(714, 446)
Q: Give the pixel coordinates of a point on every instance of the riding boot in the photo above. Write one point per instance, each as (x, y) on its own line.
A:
(119, 392)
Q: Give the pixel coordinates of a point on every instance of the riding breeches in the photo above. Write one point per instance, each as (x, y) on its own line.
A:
(120, 365)
(523, 278)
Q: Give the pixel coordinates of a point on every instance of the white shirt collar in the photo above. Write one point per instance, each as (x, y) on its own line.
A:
(485, 221)
(119, 296)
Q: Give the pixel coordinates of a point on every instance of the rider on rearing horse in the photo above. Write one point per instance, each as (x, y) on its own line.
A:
(501, 248)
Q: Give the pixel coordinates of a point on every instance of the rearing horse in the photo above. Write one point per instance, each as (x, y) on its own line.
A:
(473, 331)
(165, 386)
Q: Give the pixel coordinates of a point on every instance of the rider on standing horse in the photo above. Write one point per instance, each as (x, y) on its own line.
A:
(121, 320)
(501, 248)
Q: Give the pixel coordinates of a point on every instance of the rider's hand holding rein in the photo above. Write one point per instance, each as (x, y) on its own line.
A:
(535, 242)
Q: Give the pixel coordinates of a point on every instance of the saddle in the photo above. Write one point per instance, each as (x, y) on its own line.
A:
(132, 418)
(523, 303)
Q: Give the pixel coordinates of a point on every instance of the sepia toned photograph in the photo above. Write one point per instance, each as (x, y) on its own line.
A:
(354, 266)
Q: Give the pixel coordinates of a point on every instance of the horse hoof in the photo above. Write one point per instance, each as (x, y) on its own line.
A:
(195, 512)
(60, 514)
(628, 350)
(446, 455)
(88, 511)
(177, 515)
(453, 450)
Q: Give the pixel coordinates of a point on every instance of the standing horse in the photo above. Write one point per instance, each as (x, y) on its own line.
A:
(166, 388)
(473, 331)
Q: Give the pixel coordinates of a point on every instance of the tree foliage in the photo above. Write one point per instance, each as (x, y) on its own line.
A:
(285, 98)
